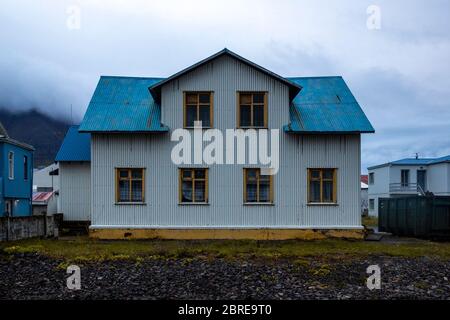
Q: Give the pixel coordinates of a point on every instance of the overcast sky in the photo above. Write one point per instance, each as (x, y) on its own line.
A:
(398, 72)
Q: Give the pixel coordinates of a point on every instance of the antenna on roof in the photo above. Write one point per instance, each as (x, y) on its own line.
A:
(417, 155)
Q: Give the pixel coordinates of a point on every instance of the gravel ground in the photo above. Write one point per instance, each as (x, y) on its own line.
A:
(31, 276)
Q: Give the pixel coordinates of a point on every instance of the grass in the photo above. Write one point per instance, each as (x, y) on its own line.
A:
(83, 249)
(370, 221)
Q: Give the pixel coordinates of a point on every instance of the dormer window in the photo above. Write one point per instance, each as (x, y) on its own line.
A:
(198, 106)
(252, 110)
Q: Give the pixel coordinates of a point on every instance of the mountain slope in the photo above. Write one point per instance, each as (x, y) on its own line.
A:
(44, 133)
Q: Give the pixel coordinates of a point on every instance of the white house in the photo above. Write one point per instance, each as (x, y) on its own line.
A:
(137, 190)
(406, 177)
(46, 179)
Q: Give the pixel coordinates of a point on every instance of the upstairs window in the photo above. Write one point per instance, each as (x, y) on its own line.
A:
(11, 165)
(258, 188)
(404, 178)
(252, 110)
(130, 185)
(25, 167)
(371, 178)
(198, 107)
(322, 186)
(193, 185)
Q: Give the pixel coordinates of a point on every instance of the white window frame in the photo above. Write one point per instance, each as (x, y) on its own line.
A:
(11, 165)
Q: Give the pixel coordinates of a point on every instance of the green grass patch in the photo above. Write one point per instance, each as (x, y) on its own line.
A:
(83, 249)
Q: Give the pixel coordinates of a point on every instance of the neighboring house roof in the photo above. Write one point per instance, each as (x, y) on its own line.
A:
(294, 88)
(364, 185)
(41, 197)
(4, 137)
(123, 104)
(365, 178)
(326, 105)
(76, 146)
(413, 162)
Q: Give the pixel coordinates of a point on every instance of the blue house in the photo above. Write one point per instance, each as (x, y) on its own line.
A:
(16, 176)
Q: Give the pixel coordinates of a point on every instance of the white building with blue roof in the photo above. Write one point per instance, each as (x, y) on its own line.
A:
(407, 177)
(137, 190)
(74, 160)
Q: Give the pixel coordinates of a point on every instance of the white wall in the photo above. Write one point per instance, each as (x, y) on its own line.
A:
(41, 178)
(380, 187)
(75, 190)
(438, 177)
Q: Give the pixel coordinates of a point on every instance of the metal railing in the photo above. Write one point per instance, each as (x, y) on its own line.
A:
(406, 188)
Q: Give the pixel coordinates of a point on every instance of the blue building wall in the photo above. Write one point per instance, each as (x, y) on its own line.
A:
(18, 190)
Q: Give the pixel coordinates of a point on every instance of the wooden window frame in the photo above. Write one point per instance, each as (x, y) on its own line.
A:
(238, 110)
(211, 108)
(258, 174)
(129, 178)
(181, 179)
(321, 179)
(11, 165)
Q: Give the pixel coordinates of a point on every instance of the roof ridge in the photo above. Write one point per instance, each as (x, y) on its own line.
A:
(132, 77)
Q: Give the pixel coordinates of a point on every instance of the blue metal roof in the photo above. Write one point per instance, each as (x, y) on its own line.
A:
(76, 146)
(326, 105)
(414, 162)
(123, 104)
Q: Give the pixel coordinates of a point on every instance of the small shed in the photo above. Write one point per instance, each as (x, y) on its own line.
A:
(44, 203)
(74, 159)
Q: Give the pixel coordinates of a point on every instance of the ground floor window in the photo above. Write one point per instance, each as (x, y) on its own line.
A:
(193, 185)
(258, 187)
(130, 185)
(322, 185)
(371, 204)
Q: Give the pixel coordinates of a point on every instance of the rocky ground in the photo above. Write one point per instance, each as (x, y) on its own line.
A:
(33, 276)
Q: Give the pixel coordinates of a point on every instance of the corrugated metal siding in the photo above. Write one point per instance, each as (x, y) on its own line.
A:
(326, 104)
(75, 191)
(225, 76)
(123, 104)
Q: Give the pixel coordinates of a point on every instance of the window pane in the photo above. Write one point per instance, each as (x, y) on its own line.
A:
(186, 192)
(136, 191)
(327, 174)
(124, 190)
(327, 191)
(187, 173)
(314, 189)
(251, 191)
(191, 115)
(204, 115)
(315, 174)
(200, 191)
(258, 116)
(245, 115)
(191, 98)
(204, 98)
(136, 173)
(200, 173)
(258, 98)
(123, 173)
(264, 190)
(251, 174)
(245, 98)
